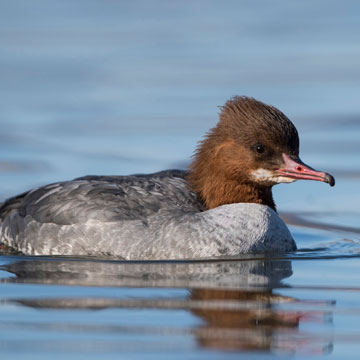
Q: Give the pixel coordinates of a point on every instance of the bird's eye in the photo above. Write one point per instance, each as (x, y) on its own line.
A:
(259, 148)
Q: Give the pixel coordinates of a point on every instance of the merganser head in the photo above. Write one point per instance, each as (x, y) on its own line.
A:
(253, 147)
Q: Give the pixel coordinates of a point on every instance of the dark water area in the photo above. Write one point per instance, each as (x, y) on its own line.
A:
(90, 87)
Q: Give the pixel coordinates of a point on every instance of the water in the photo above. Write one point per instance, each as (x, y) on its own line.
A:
(113, 87)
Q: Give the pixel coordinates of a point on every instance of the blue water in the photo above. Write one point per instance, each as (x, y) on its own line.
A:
(115, 87)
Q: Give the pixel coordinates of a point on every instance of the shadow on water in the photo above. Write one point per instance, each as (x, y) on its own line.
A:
(236, 301)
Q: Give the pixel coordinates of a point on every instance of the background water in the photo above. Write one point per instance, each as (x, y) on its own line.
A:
(115, 87)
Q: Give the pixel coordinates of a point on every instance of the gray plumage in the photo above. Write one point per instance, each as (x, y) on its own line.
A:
(153, 216)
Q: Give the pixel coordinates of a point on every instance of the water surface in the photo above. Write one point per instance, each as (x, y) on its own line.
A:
(112, 87)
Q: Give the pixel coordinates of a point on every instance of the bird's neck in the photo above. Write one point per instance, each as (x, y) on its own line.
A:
(218, 181)
(217, 189)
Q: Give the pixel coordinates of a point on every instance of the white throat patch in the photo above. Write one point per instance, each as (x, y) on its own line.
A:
(266, 175)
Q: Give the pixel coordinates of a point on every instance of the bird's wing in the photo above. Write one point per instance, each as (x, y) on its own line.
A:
(102, 198)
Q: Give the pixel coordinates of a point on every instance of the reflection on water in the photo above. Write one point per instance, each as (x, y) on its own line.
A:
(187, 274)
(234, 300)
(233, 319)
(259, 325)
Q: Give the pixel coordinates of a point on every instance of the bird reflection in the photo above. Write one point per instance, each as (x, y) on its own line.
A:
(237, 301)
(252, 326)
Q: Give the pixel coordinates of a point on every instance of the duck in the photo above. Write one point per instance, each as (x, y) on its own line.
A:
(221, 205)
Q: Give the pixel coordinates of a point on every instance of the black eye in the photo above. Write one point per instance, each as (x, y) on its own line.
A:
(259, 148)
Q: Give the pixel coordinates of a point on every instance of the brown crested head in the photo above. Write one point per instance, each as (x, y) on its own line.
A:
(253, 147)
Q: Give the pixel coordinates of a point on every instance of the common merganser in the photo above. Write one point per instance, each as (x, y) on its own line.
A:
(221, 206)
